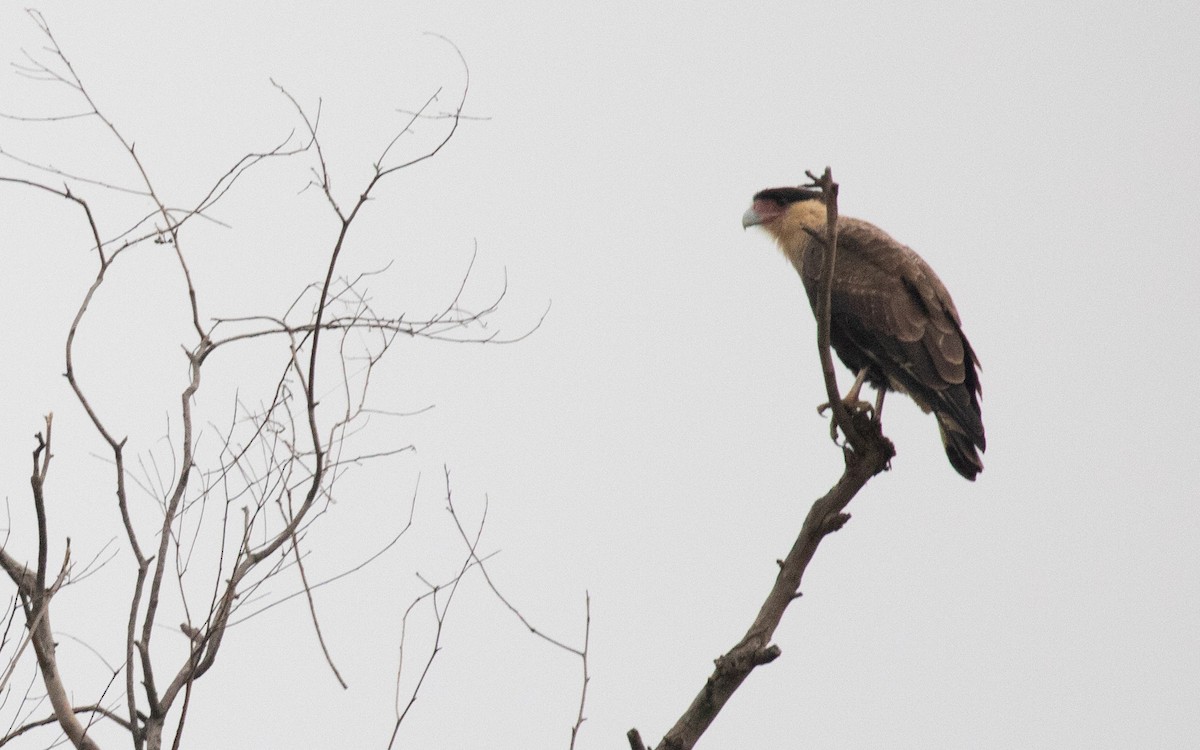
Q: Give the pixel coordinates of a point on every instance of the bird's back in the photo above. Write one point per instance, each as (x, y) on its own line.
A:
(891, 313)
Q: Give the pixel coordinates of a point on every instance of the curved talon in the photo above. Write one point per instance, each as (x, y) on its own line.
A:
(861, 407)
(854, 406)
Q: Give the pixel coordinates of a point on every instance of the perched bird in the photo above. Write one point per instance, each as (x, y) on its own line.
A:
(892, 322)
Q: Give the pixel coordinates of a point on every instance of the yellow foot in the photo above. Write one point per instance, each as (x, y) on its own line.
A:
(854, 406)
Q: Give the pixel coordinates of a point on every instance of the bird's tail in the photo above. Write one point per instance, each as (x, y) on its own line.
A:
(960, 447)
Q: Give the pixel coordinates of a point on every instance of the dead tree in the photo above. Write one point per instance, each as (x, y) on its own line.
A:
(273, 471)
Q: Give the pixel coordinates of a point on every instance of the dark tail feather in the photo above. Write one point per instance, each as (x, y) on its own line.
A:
(961, 409)
(960, 448)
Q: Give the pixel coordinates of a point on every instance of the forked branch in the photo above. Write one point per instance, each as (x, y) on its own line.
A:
(36, 596)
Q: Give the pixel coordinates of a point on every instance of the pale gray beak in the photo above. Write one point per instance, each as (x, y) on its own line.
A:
(750, 218)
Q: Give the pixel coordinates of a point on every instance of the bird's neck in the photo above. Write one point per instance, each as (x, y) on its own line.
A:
(792, 230)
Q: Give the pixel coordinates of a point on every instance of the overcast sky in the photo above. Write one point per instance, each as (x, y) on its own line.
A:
(655, 442)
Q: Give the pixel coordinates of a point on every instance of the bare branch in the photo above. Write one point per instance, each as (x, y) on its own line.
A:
(866, 454)
(293, 445)
(587, 633)
(471, 560)
(72, 177)
(312, 609)
(38, 481)
(42, 637)
(391, 543)
(483, 569)
(582, 653)
(92, 709)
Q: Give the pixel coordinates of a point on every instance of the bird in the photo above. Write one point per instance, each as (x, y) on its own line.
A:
(892, 321)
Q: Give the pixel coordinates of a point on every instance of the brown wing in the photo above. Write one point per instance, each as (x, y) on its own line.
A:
(892, 313)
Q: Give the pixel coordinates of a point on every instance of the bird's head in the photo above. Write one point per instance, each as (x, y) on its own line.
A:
(786, 212)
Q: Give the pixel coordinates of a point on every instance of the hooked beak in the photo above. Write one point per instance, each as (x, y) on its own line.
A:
(751, 218)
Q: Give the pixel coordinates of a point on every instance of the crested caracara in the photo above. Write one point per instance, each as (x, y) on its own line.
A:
(892, 322)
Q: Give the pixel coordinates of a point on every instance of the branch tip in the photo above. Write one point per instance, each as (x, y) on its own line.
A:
(767, 655)
(835, 521)
(635, 740)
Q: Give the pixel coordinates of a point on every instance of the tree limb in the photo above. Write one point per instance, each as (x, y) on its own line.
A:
(866, 454)
(93, 709)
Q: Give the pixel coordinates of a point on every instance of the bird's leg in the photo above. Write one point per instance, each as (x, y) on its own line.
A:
(879, 404)
(852, 402)
(851, 399)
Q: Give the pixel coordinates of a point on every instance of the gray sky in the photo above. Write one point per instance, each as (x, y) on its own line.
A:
(655, 442)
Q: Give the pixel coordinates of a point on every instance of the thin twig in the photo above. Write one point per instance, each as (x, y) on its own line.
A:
(587, 632)
(92, 709)
(483, 569)
(312, 609)
(472, 559)
(581, 653)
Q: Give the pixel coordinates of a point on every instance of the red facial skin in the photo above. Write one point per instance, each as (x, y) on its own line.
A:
(767, 210)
